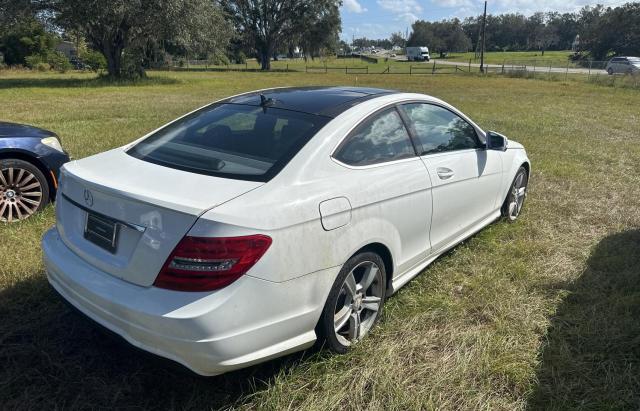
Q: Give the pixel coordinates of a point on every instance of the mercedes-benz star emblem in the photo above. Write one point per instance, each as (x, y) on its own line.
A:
(88, 198)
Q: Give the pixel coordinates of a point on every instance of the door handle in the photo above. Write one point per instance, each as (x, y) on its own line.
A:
(444, 173)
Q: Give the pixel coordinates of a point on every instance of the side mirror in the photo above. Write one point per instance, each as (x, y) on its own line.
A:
(496, 141)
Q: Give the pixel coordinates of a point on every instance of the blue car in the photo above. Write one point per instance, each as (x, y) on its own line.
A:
(30, 159)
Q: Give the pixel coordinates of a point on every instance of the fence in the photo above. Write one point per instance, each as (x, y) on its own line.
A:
(432, 68)
(593, 71)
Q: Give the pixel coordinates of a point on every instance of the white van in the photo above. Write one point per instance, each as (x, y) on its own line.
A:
(418, 54)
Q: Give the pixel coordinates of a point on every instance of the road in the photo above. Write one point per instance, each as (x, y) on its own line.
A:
(493, 67)
(537, 69)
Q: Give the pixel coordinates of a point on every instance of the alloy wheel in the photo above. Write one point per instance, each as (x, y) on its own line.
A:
(20, 194)
(518, 194)
(358, 303)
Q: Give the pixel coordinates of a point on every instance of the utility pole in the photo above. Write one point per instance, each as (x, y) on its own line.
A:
(484, 24)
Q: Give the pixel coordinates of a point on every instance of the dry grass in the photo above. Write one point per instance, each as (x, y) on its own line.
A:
(539, 314)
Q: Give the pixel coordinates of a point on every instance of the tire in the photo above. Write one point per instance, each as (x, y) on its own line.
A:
(517, 194)
(347, 316)
(610, 71)
(24, 190)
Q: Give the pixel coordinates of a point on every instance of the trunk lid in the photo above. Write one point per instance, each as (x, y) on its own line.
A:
(153, 207)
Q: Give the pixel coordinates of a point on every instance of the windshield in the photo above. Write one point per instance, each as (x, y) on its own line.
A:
(231, 140)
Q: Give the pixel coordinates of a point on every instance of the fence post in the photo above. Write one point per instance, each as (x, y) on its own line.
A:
(534, 69)
(433, 70)
(410, 69)
(388, 69)
(367, 69)
(566, 74)
(346, 71)
(469, 65)
(306, 70)
(325, 68)
(590, 63)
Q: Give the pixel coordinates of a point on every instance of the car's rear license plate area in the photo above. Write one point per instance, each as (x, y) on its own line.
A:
(102, 231)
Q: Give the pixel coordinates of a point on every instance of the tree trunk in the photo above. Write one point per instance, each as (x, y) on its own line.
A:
(265, 59)
(265, 52)
(113, 54)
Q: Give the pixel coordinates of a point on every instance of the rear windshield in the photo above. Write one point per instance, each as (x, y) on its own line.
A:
(231, 140)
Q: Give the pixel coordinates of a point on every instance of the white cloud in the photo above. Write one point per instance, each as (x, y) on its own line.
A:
(353, 6)
(368, 30)
(408, 17)
(528, 7)
(404, 10)
(466, 8)
(401, 6)
(452, 3)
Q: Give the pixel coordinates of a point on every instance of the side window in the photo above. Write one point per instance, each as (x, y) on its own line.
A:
(378, 139)
(438, 129)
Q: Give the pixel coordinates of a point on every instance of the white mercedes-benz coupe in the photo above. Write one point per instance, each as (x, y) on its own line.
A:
(256, 225)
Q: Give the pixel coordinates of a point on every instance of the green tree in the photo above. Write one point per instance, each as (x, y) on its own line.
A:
(397, 40)
(24, 39)
(320, 32)
(125, 31)
(565, 27)
(441, 36)
(268, 24)
(610, 31)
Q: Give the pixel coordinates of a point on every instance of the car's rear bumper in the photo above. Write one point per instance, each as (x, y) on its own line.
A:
(247, 322)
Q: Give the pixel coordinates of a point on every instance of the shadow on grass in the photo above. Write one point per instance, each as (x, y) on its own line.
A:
(53, 358)
(591, 359)
(65, 82)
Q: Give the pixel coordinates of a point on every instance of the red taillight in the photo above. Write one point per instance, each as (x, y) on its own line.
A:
(205, 264)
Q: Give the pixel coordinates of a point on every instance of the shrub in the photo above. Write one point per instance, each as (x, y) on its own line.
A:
(33, 61)
(42, 66)
(239, 58)
(59, 62)
(94, 60)
(218, 59)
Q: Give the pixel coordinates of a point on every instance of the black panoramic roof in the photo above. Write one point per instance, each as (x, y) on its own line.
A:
(22, 130)
(323, 101)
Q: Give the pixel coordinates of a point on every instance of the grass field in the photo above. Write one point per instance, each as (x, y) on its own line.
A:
(331, 63)
(541, 314)
(555, 58)
(498, 57)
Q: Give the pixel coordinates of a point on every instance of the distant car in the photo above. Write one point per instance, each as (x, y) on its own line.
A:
(249, 228)
(393, 55)
(623, 65)
(30, 159)
(78, 64)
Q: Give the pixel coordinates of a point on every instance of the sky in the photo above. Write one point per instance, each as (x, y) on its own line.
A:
(379, 18)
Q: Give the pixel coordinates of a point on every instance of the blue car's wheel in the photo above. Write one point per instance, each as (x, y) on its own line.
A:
(23, 190)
